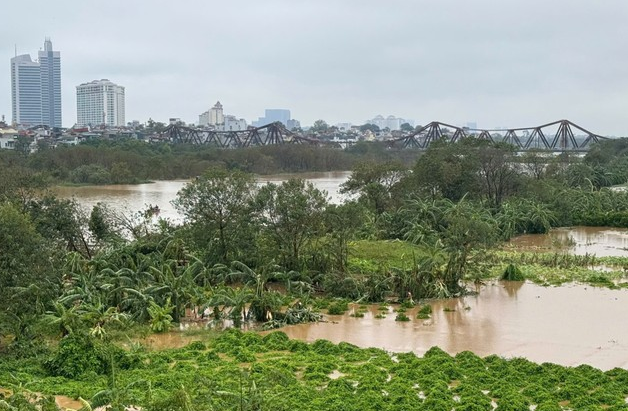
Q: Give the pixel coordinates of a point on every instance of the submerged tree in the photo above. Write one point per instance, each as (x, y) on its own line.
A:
(290, 214)
(216, 208)
(376, 183)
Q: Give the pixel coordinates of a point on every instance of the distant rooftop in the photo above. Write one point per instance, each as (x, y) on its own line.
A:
(99, 82)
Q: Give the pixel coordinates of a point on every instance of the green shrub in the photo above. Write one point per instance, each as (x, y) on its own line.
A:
(76, 355)
(512, 273)
(325, 347)
(337, 308)
(276, 341)
(424, 312)
(298, 346)
(243, 354)
(196, 346)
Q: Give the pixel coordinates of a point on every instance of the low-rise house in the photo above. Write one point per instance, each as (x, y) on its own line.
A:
(8, 137)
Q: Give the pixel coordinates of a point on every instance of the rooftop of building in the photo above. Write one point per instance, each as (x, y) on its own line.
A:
(100, 82)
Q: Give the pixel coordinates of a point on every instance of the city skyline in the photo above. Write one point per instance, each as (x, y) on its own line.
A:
(515, 64)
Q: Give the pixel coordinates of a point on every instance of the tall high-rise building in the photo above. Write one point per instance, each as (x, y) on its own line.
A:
(216, 115)
(50, 65)
(26, 91)
(100, 102)
(213, 117)
(272, 115)
(36, 88)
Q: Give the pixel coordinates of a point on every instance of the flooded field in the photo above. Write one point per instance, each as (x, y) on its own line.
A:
(568, 325)
(599, 241)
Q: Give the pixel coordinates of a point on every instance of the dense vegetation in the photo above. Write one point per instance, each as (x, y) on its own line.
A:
(72, 283)
(237, 371)
(133, 161)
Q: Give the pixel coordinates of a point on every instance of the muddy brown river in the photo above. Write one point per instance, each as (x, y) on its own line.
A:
(130, 198)
(568, 325)
(599, 241)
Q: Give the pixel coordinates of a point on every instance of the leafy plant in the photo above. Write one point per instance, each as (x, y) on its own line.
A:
(160, 317)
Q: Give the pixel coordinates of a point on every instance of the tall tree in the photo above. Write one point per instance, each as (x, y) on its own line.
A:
(375, 183)
(319, 126)
(216, 207)
(497, 169)
(447, 170)
(28, 278)
(290, 214)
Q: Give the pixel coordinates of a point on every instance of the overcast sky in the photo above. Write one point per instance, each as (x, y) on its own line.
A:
(497, 63)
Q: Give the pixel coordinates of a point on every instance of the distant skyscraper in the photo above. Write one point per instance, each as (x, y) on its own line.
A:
(36, 88)
(273, 115)
(216, 115)
(100, 102)
(26, 91)
(50, 64)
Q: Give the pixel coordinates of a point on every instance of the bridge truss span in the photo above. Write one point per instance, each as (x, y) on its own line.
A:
(562, 135)
(270, 134)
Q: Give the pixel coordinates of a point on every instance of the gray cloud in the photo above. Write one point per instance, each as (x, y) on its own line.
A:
(506, 63)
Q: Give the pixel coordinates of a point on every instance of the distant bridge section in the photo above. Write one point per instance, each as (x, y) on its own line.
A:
(555, 136)
(562, 135)
(270, 134)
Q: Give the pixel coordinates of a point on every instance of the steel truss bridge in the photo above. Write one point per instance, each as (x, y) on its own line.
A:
(562, 135)
(555, 136)
(273, 133)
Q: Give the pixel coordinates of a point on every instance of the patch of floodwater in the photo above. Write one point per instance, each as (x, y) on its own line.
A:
(187, 332)
(598, 241)
(569, 325)
(335, 374)
(62, 401)
(174, 339)
(68, 403)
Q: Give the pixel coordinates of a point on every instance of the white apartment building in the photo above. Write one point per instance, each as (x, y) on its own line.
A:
(391, 122)
(213, 117)
(100, 102)
(8, 138)
(216, 115)
(231, 123)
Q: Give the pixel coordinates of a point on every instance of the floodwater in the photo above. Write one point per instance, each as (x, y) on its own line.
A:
(599, 241)
(131, 198)
(62, 401)
(568, 325)
(67, 402)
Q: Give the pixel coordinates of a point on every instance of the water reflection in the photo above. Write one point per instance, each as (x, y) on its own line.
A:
(599, 241)
(569, 325)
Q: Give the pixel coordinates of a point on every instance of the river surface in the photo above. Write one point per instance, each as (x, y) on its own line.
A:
(567, 325)
(599, 241)
(131, 198)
